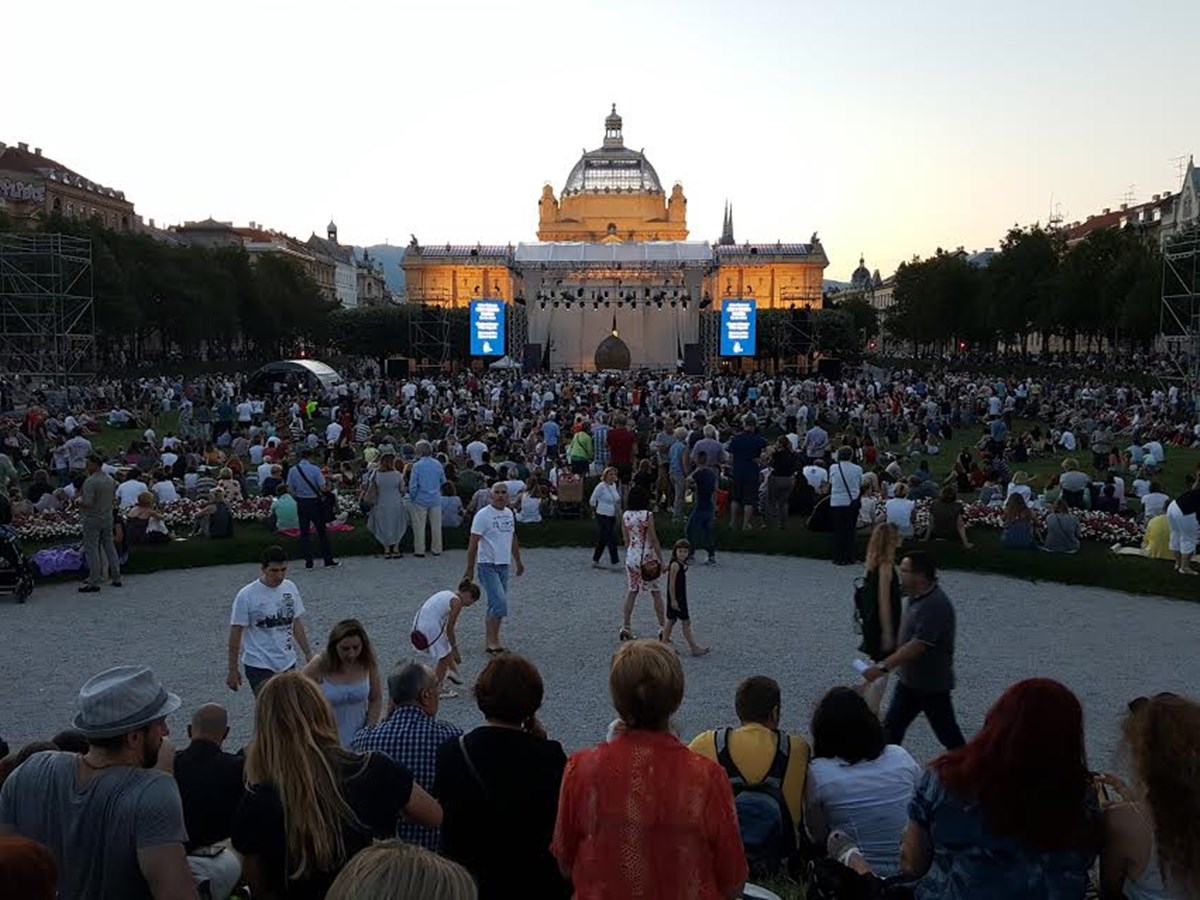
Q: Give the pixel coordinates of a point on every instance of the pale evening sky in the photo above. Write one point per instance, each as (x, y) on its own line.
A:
(891, 128)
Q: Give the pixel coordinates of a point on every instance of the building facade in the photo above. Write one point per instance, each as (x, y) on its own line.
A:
(613, 266)
(34, 187)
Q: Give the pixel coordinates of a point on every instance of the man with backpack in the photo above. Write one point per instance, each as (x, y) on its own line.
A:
(767, 769)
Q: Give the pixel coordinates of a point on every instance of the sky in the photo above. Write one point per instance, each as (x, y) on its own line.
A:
(891, 128)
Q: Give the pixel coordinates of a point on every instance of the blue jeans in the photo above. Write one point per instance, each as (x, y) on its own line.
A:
(700, 532)
(494, 581)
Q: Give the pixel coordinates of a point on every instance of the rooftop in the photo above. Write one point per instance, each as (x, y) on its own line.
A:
(613, 167)
(20, 159)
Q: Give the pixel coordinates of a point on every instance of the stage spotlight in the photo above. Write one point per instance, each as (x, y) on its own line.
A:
(647, 294)
(607, 305)
(542, 304)
(659, 302)
(556, 304)
(633, 304)
(674, 303)
(595, 304)
(620, 304)
(580, 293)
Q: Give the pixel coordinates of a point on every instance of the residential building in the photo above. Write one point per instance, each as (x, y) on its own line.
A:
(34, 187)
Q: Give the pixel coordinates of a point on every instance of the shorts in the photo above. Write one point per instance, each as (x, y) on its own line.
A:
(257, 677)
(745, 492)
(439, 647)
(494, 581)
(624, 472)
(681, 614)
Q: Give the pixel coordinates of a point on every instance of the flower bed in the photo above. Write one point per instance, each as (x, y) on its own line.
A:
(1093, 525)
(180, 517)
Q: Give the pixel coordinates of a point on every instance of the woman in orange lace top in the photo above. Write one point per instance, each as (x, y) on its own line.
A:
(643, 816)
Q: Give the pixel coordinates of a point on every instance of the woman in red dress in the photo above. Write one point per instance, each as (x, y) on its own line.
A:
(643, 816)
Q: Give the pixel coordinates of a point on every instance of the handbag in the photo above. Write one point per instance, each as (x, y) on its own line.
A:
(420, 640)
(650, 569)
(370, 496)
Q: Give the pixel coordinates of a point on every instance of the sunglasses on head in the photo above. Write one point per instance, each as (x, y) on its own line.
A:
(1138, 703)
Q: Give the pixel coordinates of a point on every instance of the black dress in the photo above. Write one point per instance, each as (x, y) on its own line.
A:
(501, 830)
(872, 628)
(377, 790)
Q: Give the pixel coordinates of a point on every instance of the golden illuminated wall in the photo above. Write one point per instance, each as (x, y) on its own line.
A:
(455, 283)
(773, 284)
(617, 216)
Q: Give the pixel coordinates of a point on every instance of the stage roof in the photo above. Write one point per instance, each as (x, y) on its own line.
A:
(695, 252)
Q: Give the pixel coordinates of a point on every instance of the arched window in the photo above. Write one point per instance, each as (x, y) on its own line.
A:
(56, 206)
(612, 228)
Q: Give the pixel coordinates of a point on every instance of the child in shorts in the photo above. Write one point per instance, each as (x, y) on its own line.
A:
(677, 601)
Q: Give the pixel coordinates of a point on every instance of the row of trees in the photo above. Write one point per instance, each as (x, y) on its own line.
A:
(1105, 287)
(157, 301)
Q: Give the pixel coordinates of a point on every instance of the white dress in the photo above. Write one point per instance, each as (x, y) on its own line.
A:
(431, 621)
(638, 550)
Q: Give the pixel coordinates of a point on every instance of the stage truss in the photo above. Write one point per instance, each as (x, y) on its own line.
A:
(1179, 317)
(429, 334)
(518, 332)
(47, 311)
(710, 339)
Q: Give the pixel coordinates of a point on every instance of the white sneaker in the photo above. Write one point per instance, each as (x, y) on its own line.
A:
(447, 694)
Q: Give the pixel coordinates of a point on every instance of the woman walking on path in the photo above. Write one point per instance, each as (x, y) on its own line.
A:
(879, 606)
(349, 677)
(434, 630)
(677, 599)
(606, 501)
(643, 556)
(388, 520)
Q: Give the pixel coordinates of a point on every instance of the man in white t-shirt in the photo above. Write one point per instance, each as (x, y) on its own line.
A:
(265, 627)
(475, 450)
(816, 476)
(333, 433)
(245, 412)
(493, 544)
(129, 489)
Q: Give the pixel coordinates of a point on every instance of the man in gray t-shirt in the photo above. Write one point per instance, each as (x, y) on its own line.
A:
(923, 658)
(97, 501)
(112, 817)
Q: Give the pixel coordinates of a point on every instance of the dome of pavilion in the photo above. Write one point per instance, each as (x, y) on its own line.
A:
(613, 167)
(861, 279)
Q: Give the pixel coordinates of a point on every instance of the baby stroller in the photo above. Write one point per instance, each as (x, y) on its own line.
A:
(16, 574)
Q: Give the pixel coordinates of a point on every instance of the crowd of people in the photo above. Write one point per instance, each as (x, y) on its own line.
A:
(342, 792)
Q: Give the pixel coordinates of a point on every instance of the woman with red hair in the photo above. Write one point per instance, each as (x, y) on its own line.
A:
(1012, 814)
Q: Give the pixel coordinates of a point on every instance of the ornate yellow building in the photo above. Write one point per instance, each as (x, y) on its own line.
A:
(612, 195)
(613, 255)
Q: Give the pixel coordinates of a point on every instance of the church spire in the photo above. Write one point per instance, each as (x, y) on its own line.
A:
(727, 228)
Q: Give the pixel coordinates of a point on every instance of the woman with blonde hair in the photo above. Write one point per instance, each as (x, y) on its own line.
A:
(229, 484)
(311, 805)
(606, 503)
(1151, 849)
(642, 798)
(878, 601)
(394, 870)
(349, 677)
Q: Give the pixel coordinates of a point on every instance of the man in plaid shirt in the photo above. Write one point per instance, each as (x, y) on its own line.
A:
(410, 735)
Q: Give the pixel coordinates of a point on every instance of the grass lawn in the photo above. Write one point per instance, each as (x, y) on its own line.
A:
(1094, 565)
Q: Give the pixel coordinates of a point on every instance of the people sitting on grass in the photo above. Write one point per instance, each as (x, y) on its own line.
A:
(1061, 530)
(946, 521)
(1020, 527)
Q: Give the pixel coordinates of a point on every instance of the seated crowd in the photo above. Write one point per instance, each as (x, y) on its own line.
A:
(415, 808)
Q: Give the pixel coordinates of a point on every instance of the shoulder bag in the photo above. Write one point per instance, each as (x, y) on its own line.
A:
(651, 568)
(370, 495)
(856, 500)
(326, 499)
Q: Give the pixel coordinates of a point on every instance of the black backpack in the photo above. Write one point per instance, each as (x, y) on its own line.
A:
(764, 820)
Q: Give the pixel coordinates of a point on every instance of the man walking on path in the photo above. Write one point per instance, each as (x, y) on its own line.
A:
(265, 625)
(307, 484)
(493, 544)
(425, 494)
(97, 500)
(924, 659)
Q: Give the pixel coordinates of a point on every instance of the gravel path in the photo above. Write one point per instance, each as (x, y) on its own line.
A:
(784, 617)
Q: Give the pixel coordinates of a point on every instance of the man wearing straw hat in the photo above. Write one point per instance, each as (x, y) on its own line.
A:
(112, 817)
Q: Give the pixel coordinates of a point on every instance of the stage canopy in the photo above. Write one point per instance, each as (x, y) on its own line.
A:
(311, 370)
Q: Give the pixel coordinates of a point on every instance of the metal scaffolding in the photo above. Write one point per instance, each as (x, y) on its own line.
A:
(710, 339)
(47, 314)
(518, 332)
(429, 334)
(1179, 316)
